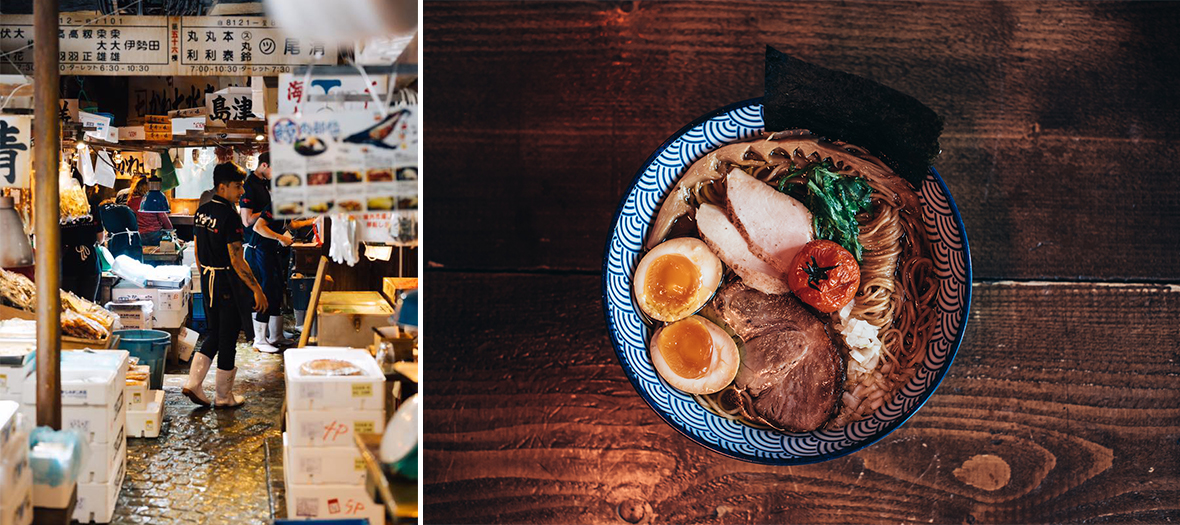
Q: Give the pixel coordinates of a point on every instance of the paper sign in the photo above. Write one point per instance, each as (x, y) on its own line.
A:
(344, 162)
(104, 170)
(245, 45)
(15, 151)
(231, 104)
(292, 87)
(86, 167)
(100, 123)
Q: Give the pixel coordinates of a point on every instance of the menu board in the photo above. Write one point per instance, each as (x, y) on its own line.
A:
(353, 162)
(15, 151)
(164, 46)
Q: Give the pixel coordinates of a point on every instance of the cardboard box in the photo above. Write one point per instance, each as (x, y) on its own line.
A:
(324, 465)
(329, 501)
(104, 460)
(186, 343)
(182, 125)
(146, 423)
(169, 305)
(20, 510)
(348, 318)
(361, 392)
(133, 314)
(331, 428)
(96, 501)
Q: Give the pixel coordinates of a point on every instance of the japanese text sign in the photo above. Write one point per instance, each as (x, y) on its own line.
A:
(15, 151)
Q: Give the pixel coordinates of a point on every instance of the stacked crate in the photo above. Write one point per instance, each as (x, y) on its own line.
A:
(93, 402)
(324, 472)
(16, 478)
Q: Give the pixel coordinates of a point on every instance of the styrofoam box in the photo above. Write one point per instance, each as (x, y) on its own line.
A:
(329, 501)
(363, 392)
(324, 465)
(96, 501)
(170, 318)
(137, 395)
(161, 298)
(146, 423)
(8, 431)
(14, 468)
(100, 425)
(84, 382)
(19, 511)
(133, 314)
(104, 460)
(331, 428)
(12, 378)
(186, 340)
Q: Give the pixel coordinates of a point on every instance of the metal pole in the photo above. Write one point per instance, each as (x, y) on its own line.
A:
(46, 201)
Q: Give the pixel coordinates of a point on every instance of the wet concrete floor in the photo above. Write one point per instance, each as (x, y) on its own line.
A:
(210, 466)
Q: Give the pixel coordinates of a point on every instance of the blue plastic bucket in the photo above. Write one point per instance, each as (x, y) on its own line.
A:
(151, 347)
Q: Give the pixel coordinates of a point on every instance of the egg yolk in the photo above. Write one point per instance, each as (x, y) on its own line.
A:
(672, 281)
(687, 347)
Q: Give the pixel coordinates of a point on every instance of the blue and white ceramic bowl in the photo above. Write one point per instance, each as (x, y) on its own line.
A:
(630, 335)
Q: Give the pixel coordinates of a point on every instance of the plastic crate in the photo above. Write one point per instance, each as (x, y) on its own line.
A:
(198, 306)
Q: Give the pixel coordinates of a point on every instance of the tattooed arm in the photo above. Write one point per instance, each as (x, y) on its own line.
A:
(243, 270)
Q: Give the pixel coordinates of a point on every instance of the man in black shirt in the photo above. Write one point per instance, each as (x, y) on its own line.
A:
(224, 278)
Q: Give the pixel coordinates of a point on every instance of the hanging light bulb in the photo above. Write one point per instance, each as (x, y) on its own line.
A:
(154, 200)
(15, 250)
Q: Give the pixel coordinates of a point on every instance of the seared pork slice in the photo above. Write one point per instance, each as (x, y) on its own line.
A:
(725, 241)
(791, 373)
(775, 225)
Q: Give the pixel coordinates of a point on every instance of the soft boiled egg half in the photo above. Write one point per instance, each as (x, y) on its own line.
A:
(676, 278)
(695, 356)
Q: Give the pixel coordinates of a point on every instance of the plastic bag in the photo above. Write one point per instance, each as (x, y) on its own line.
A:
(57, 456)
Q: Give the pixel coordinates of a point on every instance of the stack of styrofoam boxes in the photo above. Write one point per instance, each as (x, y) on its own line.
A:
(93, 387)
(18, 360)
(16, 478)
(145, 407)
(169, 305)
(325, 474)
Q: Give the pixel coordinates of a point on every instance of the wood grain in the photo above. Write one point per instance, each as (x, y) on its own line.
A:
(1060, 140)
(1074, 387)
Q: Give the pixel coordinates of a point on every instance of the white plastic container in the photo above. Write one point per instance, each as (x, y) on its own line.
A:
(146, 423)
(104, 460)
(96, 501)
(324, 465)
(329, 501)
(331, 428)
(360, 392)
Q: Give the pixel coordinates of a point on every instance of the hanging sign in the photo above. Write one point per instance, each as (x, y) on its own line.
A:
(95, 45)
(165, 46)
(15, 151)
(235, 103)
(344, 162)
(243, 45)
(292, 87)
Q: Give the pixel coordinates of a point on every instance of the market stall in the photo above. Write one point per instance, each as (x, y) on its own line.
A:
(131, 115)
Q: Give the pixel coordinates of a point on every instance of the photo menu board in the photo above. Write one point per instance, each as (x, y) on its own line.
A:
(351, 162)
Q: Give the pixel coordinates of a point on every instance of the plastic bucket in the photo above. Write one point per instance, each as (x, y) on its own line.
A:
(151, 347)
(301, 292)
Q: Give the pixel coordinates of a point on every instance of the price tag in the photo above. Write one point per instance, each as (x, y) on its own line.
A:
(358, 464)
(362, 390)
(364, 426)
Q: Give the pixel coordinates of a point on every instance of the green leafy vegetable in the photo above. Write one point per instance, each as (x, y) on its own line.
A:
(834, 201)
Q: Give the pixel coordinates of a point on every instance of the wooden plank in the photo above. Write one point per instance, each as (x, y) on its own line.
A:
(1061, 123)
(1073, 387)
(316, 289)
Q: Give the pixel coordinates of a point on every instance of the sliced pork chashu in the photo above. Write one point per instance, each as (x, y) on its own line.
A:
(791, 373)
(725, 240)
(775, 225)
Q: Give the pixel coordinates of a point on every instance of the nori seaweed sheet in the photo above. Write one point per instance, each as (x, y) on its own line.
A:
(898, 128)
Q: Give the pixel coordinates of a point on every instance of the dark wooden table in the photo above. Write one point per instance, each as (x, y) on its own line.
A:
(1060, 147)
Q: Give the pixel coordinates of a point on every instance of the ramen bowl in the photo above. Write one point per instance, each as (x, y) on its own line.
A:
(630, 335)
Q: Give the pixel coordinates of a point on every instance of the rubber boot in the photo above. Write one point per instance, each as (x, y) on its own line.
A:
(274, 328)
(226, 398)
(260, 340)
(194, 388)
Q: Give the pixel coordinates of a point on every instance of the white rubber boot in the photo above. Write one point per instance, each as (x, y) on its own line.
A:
(194, 388)
(275, 327)
(260, 340)
(226, 398)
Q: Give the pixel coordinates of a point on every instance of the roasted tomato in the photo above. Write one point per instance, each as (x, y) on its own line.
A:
(824, 275)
